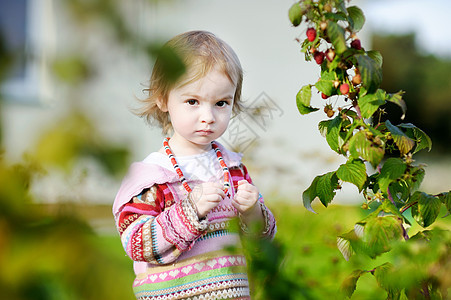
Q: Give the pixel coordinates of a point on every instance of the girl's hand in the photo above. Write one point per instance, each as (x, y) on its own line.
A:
(206, 197)
(245, 201)
(245, 198)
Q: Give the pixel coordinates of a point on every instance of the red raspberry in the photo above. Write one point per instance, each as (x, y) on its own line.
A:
(311, 34)
(318, 57)
(344, 89)
(324, 96)
(356, 44)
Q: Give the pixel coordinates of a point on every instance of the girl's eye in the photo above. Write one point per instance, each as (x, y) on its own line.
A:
(222, 103)
(192, 101)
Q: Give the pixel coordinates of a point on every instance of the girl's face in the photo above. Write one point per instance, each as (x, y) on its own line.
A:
(200, 112)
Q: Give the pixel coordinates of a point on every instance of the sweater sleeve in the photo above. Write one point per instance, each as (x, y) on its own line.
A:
(157, 230)
(269, 230)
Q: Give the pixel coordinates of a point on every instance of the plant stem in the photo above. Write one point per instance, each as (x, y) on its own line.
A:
(357, 109)
(407, 206)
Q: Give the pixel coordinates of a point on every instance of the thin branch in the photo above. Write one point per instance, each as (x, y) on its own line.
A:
(407, 206)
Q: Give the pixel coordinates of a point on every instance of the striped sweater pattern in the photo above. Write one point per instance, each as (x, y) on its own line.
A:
(176, 255)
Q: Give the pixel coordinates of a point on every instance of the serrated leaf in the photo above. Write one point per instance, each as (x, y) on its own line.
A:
(356, 18)
(350, 283)
(353, 171)
(333, 137)
(404, 143)
(370, 103)
(295, 14)
(360, 146)
(422, 140)
(426, 210)
(326, 186)
(380, 232)
(323, 187)
(370, 71)
(392, 169)
(303, 99)
(397, 99)
(337, 37)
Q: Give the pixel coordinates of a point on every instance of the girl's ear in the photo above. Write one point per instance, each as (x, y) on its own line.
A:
(162, 105)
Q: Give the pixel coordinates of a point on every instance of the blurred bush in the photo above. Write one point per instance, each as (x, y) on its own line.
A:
(427, 82)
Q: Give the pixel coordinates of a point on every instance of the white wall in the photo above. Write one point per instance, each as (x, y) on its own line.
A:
(290, 151)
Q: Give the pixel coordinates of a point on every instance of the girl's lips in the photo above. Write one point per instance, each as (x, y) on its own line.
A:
(204, 132)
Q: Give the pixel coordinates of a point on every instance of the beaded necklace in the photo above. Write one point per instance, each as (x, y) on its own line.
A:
(179, 172)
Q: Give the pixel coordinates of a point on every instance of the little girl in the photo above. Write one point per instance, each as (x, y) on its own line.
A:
(173, 209)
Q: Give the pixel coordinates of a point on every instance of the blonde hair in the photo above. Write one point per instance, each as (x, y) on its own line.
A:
(200, 51)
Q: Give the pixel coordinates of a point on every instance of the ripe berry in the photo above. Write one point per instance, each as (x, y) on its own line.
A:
(330, 54)
(344, 89)
(356, 44)
(324, 96)
(311, 34)
(318, 57)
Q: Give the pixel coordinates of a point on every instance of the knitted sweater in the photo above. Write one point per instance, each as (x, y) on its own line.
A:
(176, 255)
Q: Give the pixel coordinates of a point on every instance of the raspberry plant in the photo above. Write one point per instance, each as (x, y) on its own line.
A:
(379, 157)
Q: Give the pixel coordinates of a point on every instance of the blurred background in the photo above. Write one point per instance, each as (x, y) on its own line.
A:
(71, 72)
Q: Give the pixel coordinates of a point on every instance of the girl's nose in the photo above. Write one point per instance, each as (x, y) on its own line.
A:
(207, 115)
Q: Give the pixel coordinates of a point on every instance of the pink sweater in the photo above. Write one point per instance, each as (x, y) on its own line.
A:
(176, 255)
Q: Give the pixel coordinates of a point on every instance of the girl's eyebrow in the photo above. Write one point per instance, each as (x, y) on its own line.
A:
(227, 97)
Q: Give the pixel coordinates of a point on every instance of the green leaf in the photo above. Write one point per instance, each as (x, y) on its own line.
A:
(353, 171)
(326, 83)
(380, 232)
(404, 143)
(370, 103)
(335, 16)
(356, 18)
(383, 277)
(376, 56)
(344, 244)
(370, 71)
(310, 194)
(295, 14)
(323, 187)
(392, 169)
(168, 61)
(426, 210)
(360, 146)
(303, 98)
(333, 137)
(337, 36)
(445, 198)
(326, 186)
(322, 127)
(397, 99)
(350, 283)
(422, 140)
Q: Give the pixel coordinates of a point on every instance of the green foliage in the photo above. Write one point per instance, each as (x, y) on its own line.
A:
(351, 78)
(55, 254)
